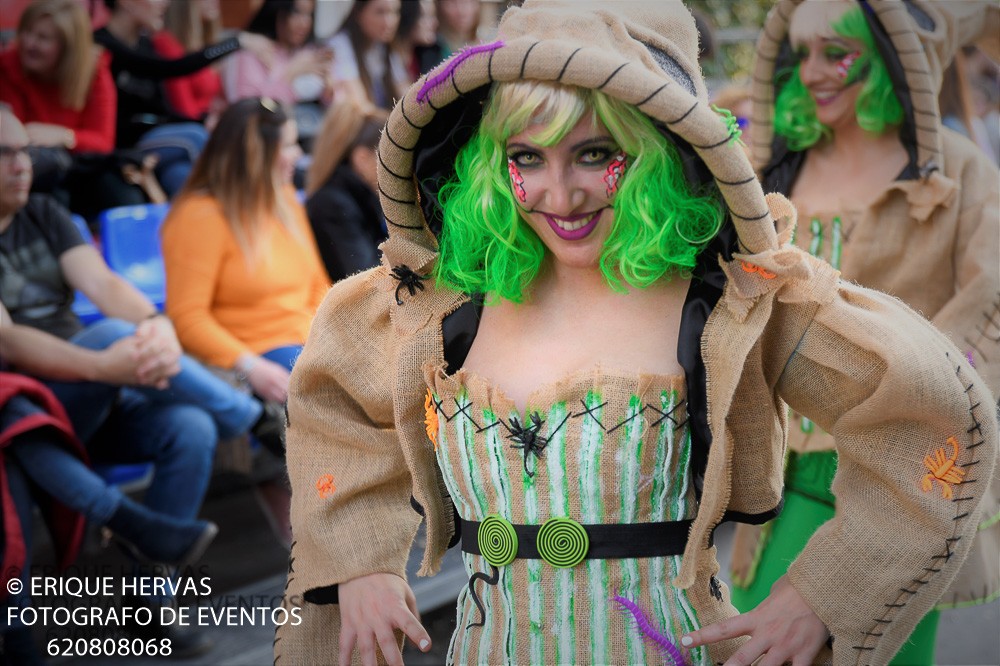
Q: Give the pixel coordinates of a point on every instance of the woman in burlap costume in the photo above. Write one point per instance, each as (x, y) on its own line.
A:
(846, 95)
(414, 400)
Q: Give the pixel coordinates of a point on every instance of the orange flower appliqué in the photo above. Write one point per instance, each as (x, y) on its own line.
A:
(325, 486)
(431, 419)
(753, 268)
(943, 470)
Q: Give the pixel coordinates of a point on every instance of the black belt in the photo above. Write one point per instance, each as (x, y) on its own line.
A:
(602, 541)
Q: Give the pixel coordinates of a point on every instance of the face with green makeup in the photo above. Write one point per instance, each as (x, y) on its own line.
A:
(827, 61)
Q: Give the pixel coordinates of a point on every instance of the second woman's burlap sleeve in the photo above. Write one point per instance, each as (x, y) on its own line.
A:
(916, 436)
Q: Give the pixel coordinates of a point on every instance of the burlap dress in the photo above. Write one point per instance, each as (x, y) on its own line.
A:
(611, 448)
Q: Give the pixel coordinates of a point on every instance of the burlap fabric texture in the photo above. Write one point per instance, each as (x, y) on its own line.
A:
(891, 388)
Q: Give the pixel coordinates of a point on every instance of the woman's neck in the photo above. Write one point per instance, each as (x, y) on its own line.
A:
(124, 28)
(851, 144)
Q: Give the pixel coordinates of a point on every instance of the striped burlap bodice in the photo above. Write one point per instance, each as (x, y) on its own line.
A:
(614, 449)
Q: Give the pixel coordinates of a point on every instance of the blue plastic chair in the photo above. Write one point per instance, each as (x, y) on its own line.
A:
(82, 306)
(130, 236)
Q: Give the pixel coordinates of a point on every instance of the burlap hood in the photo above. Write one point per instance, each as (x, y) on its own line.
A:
(916, 38)
(640, 52)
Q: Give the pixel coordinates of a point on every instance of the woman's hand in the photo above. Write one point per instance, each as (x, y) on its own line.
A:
(159, 351)
(308, 61)
(267, 379)
(783, 629)
(371, 608)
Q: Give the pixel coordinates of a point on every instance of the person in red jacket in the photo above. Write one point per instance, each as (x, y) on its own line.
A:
(60, 86)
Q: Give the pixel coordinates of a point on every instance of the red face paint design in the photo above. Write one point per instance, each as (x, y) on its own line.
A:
(844, 66)
(614, 173)
(517, 180)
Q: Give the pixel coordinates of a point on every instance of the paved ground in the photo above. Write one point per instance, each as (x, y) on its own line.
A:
(246, 566)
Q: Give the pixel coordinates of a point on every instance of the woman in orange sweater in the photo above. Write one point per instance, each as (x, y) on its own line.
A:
(244, 276)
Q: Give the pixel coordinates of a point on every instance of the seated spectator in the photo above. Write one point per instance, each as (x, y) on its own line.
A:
(243, 274)
(61, 88)
(296, 75)
(129, 393)
(244, 277)
(146, 118)
(416, 39)
(363, 60)
(45, 451)
(343, 203)
(190, 27)
(458, 24)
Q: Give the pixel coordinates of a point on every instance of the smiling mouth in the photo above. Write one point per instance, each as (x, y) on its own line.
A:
(824, 98)
(574, 227)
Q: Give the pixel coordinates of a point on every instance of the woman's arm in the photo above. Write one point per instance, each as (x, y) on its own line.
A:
(916, 436)
(155, 67)
(195, 243)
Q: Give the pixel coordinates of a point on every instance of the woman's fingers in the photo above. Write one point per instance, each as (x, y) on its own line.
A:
(720, 631)
(347, 640)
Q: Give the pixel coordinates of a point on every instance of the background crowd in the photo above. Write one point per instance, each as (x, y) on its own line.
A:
(258, 143)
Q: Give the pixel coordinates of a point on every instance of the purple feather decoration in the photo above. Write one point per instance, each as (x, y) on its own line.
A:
(659, 641)
(459, 58)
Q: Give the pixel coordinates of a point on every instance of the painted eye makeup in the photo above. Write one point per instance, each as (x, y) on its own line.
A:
(524, 159)
(597, 155)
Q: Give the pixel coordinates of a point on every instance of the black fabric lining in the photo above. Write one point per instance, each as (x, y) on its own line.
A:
(606, 541)
(524, 60)
(612, 75)
(753, 518)
(562, 71)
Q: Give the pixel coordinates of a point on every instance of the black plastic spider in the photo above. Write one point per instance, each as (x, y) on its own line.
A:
(529, 438)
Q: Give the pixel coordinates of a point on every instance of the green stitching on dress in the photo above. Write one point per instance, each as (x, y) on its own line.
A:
(630, 448)
(447, 471)
(592, 511)
(499, 475)
(534, 592)
(564, 622)
(816, 245)
(835, 243)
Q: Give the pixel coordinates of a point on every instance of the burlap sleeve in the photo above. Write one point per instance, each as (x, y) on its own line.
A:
(916, 435)
(351, 513)
(971, 318)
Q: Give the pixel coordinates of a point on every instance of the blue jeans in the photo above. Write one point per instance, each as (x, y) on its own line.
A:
(284, 356)
(176, 429)
(20, 492)
(178, 146)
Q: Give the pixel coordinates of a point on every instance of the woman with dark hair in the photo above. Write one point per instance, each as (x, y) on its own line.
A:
(296, 74)
(343, 205)
(847, 125)
(417, 39)
(364, 60)
(574, 360)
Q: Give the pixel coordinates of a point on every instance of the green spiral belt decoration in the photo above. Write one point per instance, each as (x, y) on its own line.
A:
(562, 542)
(497, 541)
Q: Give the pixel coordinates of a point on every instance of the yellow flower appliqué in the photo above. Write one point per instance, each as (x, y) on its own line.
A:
(943, 470)
(431, 419)
(325, 486)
